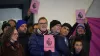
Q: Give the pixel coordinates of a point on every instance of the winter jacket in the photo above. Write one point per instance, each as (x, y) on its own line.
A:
(36, 46)
(9, 49)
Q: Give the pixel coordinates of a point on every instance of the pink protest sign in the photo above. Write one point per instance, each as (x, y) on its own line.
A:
(80, 15)
(49, 43)
(34, 6)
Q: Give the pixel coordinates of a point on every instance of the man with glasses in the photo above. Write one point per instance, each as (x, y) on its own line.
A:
(55, 27)
(36, 41)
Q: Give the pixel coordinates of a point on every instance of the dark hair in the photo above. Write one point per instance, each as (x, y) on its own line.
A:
(12, 20)
(42, 18)
(6, 36)
(53, 23)
(67, 25)
(29, 25)
(5, 24)
(35, 24)
(77, 40)
(82, 53)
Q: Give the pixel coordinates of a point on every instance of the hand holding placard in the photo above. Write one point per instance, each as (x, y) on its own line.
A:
(80, 16)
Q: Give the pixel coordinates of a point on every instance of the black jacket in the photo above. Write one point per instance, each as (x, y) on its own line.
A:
(85, 38)
(23, 40)
(82, 53)
(61, 46)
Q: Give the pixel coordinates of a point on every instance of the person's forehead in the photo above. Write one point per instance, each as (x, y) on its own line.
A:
(11, 21)
(65, 27)
(80, 27)
(23, 24)
(43, 20)
(58, 25)
(15, 30)
(78, 42)
(35, 26)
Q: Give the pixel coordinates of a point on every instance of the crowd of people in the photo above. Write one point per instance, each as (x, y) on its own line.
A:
(20, 39)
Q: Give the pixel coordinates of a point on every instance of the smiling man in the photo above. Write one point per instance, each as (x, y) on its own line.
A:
(62, 41)
(36, 41)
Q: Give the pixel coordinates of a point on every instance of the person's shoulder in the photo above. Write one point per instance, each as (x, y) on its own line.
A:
(34, 36)
(59, 38)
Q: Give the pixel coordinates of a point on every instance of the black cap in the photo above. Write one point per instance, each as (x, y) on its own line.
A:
(54, 22)
(67, 25)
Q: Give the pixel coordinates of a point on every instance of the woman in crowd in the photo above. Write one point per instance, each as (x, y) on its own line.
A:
(10, 46)
(5, 26)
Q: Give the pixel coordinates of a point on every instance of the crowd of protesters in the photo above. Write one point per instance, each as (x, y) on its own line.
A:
(20, 39)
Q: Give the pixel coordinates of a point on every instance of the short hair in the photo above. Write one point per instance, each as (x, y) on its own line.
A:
(42, 18)
(67, 25)
(35, 24)
(12, 20)
(77, 39)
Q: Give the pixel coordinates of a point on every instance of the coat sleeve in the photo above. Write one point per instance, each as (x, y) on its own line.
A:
(73, 29)
(34, 49)
(26, 18)
(88, 31)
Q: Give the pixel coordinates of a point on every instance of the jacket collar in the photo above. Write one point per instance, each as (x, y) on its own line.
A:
(43, 33)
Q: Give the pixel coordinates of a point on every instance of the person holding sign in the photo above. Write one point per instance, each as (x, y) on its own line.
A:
(84, 33)
(37, 40)
(83, 30)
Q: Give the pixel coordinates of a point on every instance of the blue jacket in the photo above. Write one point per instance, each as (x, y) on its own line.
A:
(36, 46)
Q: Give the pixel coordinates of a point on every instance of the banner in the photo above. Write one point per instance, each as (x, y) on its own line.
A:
(95, 41)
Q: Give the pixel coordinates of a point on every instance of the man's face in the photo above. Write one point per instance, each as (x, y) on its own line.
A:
(78, 46)
(56, 28)
(12, 23)
(35, 28)
(64, 31)
(23, 28)
(43, 24)
(80, 30)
